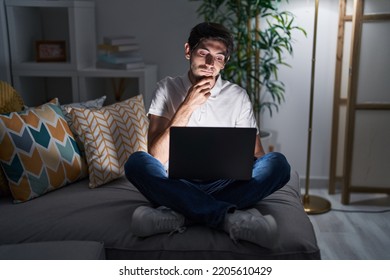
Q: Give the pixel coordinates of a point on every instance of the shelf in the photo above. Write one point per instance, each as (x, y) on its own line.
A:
(102, 72)
(27, 3)
(30, 21)
(37, 90)
(95, 82)
(42, 66)
(69, 21)
(75, 79)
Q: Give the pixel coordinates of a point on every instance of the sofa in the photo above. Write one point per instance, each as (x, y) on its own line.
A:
(103, 214)
(87, 198)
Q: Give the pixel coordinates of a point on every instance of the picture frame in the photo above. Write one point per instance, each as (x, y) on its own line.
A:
(50, 51)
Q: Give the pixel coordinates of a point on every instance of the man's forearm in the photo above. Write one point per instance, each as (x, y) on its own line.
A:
(159, 145)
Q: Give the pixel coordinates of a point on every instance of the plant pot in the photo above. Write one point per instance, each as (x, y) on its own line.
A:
(265, 137)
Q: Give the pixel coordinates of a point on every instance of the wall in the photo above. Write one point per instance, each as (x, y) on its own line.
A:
(291, 123)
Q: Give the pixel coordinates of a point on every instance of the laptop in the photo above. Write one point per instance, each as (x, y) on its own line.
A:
(211, 153)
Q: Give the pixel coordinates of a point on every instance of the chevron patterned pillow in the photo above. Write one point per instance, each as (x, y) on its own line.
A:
(10, 101)
(110, 135)
(38, 152)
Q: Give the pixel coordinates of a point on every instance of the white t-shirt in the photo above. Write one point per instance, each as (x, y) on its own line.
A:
(228, 106)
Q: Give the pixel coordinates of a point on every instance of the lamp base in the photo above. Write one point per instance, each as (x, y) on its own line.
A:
(315, 204)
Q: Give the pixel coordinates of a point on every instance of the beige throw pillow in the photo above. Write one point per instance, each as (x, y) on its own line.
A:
(110, 135)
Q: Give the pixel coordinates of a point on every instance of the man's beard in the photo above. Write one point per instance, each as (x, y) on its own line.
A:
(201, 74)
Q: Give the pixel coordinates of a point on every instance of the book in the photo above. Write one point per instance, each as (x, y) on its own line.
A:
(134, 53)
(119, 40)
(120, 66)
(118, 48)
(112, 58)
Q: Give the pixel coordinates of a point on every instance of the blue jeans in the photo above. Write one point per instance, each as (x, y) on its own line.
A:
(207, 202)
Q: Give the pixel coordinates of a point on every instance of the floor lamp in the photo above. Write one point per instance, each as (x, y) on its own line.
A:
(313, 204)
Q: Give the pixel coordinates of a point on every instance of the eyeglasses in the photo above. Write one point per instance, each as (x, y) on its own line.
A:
(218, 58)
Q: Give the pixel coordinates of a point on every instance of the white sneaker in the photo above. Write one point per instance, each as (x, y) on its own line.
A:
(148, 221)
(250, 225)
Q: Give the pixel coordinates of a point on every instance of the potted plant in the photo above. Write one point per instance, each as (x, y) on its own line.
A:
(262, 34)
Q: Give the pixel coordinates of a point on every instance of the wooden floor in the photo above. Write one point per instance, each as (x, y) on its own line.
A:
(348, 235)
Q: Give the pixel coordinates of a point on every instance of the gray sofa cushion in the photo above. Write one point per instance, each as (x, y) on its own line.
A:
(53, 250)
(76, 212)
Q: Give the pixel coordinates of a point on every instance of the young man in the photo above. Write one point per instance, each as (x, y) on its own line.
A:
(202, 98)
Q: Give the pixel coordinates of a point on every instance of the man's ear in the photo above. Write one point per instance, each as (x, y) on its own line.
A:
(187, 51)
(226, 61)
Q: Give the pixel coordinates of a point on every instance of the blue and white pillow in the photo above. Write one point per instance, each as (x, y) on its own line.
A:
(90, 104)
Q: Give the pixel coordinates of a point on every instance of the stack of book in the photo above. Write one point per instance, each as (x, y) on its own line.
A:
(119, 52)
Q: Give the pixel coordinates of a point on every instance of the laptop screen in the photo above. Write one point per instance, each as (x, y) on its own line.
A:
(211, 153)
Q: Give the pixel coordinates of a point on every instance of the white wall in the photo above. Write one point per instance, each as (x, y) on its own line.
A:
(162, 28)
(5, 74)
(291, 123)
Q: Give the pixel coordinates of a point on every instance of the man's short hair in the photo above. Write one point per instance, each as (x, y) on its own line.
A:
(211, 30)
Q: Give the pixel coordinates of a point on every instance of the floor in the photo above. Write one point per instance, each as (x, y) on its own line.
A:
(358, 231)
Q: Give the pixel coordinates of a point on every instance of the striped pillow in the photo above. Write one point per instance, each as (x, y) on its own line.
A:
(110, 135)
(38, 151)
(10, 100)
